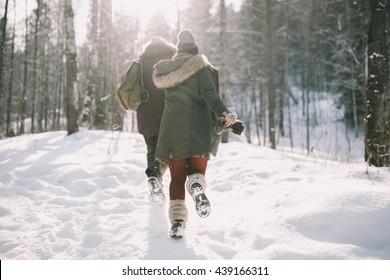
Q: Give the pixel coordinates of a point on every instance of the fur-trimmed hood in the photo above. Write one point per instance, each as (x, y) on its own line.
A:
(171, 72)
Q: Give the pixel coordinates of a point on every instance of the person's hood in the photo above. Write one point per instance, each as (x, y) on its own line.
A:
(171, 72)
(159, 46)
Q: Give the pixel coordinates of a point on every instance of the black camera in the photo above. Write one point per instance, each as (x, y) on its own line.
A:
(237, 127)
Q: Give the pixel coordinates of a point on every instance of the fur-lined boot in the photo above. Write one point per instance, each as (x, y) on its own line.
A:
(178, 216)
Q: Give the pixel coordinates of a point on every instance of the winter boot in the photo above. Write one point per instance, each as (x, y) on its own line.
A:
(196, 186)
(178, 216)
(177, 229)
(156, 191)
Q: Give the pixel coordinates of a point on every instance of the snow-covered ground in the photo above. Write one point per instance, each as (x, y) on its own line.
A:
(85, 197)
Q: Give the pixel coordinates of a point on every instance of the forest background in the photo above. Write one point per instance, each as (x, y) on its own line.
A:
(282, 63)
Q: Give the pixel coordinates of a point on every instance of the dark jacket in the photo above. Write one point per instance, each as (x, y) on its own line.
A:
(149, 113)
(191, 98)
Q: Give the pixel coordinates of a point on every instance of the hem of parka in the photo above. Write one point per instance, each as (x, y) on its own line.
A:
(166, 161)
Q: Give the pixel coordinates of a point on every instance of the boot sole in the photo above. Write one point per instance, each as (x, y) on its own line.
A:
(156, 191)
(202, 204)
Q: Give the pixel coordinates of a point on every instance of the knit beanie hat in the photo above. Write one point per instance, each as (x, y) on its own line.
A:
(186, 42)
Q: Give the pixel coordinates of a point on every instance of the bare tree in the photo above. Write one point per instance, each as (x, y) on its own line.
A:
(105, 55)
(375, 148)
(9, 130)
(90, 96)
(3, 26)
(222, 77)
(71, 69)
(34, 67)
(307, 71)
(23, 101)
(60, 66)
(270, 76)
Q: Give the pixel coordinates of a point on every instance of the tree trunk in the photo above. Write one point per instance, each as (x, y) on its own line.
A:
(90, 98)
(252, 102)
(353, 84)
(308, 70)
(59, 64)
(290, 129)
(44, 77)
(285, 85)
(354, 104)
(270, 76)
(222, 75)
(71, 69)
(306, 91)
(375, 148)
(257, 115)
(23, 107)
(3, 25)
(102, 119)
(9, 130)
(34, 70)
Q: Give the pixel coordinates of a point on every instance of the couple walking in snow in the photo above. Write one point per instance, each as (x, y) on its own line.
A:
(178, 124)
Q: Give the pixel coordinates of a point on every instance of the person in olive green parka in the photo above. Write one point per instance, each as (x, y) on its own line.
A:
(187, 135)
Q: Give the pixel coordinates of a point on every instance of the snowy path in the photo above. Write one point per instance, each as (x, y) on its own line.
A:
(85, 197)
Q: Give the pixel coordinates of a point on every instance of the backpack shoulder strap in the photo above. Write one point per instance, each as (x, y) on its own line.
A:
(145, 93)
(142, 71)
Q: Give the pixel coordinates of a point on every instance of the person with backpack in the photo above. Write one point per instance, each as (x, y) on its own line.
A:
(187, 134)
(149, 114)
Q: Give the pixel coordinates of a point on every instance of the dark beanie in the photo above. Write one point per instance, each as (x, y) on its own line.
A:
(186, 42)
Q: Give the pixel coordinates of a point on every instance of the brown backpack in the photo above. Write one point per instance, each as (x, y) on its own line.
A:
(131, 92)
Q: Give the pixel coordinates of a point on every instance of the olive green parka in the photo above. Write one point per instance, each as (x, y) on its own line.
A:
(191, 99)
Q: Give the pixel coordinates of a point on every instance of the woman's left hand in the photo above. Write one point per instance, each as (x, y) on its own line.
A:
(230, 118)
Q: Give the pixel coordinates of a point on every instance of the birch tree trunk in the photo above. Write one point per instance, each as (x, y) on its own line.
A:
(71, 69)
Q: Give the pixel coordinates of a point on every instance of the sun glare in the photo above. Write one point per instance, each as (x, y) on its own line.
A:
(146, 9)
